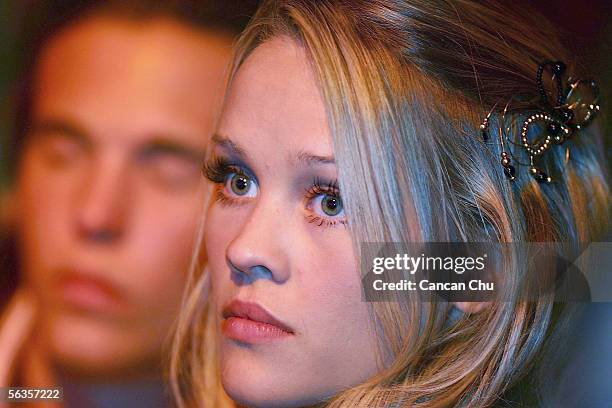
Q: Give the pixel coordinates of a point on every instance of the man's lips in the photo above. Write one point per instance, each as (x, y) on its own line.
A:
(89, 292)
(248, 322)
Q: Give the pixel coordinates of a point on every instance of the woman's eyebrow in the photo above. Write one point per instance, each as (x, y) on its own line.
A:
(310, 158)
(228, 144)
(302, 156)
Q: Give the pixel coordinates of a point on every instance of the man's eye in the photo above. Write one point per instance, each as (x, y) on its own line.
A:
(172, 171)
(59, 151)
(328, 205)
(241, 185)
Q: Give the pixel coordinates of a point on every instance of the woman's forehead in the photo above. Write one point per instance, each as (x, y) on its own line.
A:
(274, 101)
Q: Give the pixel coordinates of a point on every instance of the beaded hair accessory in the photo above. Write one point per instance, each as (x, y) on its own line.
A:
(575, 107)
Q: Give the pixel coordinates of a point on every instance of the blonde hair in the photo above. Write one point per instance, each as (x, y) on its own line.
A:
(405, 85)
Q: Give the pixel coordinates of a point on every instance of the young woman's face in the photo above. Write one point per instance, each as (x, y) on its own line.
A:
(285, 281)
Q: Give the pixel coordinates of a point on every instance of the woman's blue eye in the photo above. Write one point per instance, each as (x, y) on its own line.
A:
(241, 185)
(331, 205)
(328, 205)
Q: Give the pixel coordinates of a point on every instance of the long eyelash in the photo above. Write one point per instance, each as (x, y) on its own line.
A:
(324, 222)
(217, 169)
(222, 198)
(331, 188)
(318, 188)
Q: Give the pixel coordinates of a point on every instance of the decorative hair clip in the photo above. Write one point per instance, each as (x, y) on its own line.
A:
(575, 108)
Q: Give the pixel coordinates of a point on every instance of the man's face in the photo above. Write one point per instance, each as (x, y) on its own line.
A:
(109, 187)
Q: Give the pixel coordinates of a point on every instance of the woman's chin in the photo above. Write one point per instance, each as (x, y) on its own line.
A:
(249, 387)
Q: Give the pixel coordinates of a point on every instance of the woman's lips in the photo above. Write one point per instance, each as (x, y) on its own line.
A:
(248, 322)
(86, 292)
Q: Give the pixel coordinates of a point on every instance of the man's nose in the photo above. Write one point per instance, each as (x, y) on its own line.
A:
(103, 201)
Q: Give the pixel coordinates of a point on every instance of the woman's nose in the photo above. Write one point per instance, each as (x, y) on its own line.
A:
(260, 249)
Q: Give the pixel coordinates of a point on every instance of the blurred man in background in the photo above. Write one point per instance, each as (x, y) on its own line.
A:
(118, 106)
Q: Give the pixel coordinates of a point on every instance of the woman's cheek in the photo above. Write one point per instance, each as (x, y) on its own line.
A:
(222, 223)
(334, 314)
(222, 226)
(332, 277)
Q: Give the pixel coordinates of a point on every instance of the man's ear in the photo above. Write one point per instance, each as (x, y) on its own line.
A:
(8, 207)
(472, 307)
